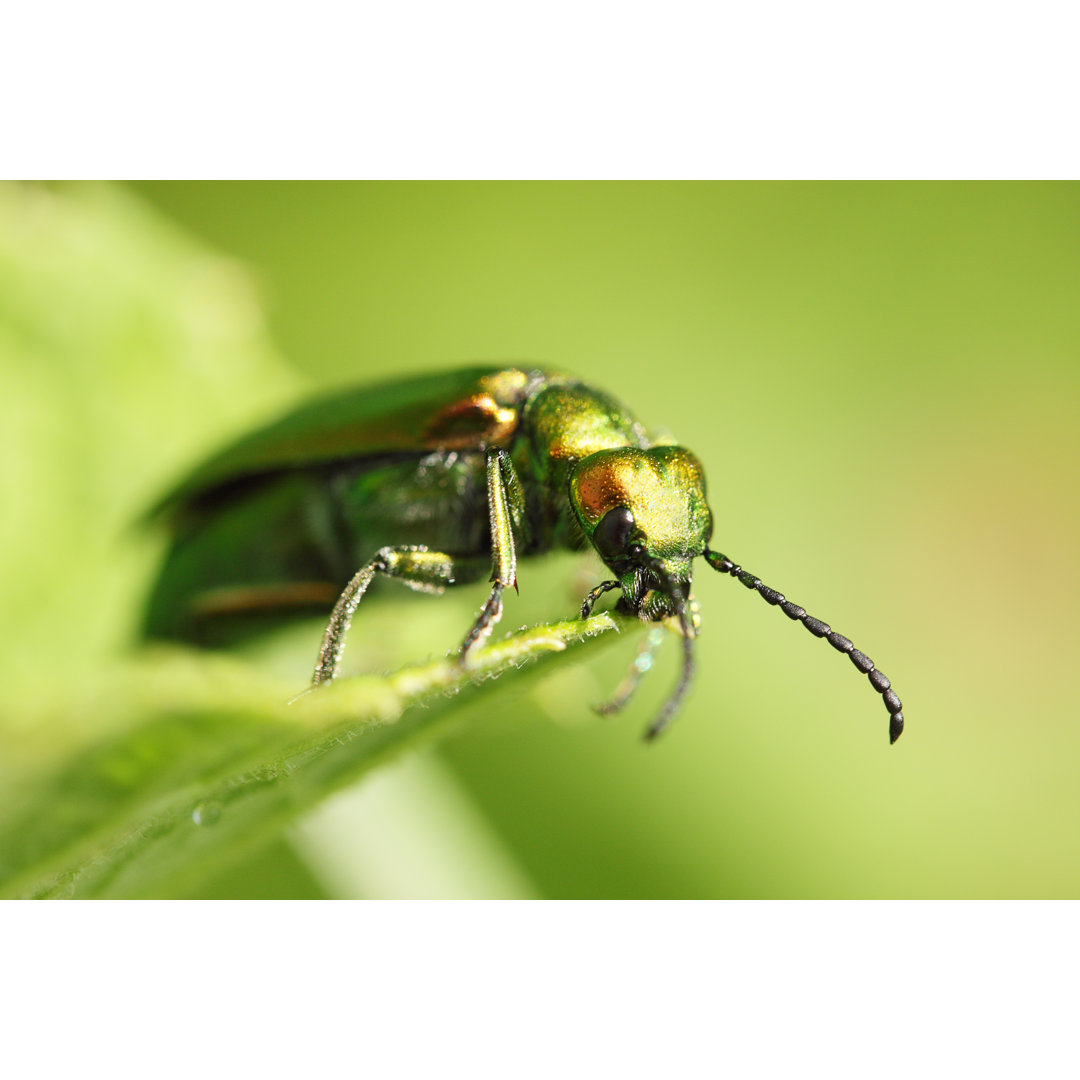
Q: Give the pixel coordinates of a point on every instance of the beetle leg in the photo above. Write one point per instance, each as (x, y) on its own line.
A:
(505, 505)
(594, 595)
(639, 668)
(515, 496)
(489, 615)
(501, 481)
(417, 567)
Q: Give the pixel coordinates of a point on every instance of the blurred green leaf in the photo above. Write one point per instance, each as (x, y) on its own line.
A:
(127, 350)
(211, 758)
(880, 380)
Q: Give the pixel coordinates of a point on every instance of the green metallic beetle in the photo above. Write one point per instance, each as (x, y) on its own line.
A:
(433, 480)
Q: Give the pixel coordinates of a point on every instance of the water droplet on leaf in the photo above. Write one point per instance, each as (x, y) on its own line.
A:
(206, 813)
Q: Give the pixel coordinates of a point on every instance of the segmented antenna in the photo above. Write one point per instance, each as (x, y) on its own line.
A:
(878, 680)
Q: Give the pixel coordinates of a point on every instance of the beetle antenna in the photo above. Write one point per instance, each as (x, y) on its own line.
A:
(671, 706)
(878, 679)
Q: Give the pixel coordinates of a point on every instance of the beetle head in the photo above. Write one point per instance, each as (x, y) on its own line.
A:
(645, 513)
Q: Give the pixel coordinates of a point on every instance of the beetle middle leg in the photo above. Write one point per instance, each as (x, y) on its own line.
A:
(506, 509)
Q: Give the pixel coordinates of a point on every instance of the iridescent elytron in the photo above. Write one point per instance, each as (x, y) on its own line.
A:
(434, 481)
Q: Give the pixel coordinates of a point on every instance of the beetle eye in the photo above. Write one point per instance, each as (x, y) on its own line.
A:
(613, 533)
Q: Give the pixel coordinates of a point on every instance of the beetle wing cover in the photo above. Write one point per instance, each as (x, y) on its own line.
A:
(455, 410)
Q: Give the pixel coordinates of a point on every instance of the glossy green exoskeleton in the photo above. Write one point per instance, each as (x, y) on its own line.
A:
(434, 481)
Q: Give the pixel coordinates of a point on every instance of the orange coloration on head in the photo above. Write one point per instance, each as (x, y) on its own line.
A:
(663, 488)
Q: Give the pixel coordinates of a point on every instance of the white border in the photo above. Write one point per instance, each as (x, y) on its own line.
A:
(540, 989)
(581, 90)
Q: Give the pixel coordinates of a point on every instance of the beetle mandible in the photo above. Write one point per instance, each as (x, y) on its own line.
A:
(433, 480)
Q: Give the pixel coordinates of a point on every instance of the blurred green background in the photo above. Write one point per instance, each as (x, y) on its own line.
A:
(882, 381)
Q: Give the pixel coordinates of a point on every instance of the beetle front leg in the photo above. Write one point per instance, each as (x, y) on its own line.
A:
(594, 594)
(645, 659)
(642, 664)
(417, 567)
(505, 504)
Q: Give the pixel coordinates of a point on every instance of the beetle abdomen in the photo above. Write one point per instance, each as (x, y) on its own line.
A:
(273, 538)
(286, 544)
